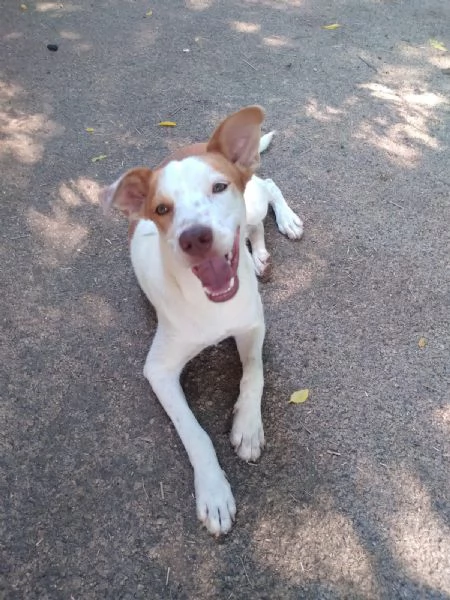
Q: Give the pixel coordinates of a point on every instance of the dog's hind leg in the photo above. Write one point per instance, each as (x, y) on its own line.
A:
(288, 222)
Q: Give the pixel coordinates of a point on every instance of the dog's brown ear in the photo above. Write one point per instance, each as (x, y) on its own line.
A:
(128, 193)
(237, 137)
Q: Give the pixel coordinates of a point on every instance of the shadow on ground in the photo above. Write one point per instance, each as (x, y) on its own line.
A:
(351, 498)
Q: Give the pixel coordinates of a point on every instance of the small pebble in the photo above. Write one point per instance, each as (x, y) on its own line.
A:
(52, 47)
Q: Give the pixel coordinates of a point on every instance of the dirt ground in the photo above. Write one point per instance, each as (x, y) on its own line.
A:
(351, 497)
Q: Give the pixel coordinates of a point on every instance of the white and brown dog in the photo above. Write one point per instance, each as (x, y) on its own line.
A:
(189, 222)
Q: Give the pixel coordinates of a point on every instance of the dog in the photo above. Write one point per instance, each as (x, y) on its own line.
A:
(190, 219)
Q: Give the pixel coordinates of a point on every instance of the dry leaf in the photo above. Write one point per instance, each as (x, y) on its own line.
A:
(98, 158)
(422, 342)
(299, 397)
(167, 124)
(438, 45)
(90, 129)
(332, 26)
(23, 7)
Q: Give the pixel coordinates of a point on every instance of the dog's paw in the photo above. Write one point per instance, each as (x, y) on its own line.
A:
(216, 507)
(290, 224)
(262, 264)
(247, 435)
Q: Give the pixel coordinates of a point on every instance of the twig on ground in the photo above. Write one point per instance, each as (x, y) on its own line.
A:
(19, 237)
(246, 574)
(177, 110)
(249, 64)
(395, 204)
(162, 489)
(368, 64)
(143, 487)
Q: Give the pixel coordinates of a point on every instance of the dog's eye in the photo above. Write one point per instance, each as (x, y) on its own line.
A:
(219, 187)
(161, 209)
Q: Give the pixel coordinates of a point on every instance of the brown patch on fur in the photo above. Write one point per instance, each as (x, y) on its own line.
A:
(232, 172)
(132, 191)
(153, 200)
(184, 152)
(132, 224)
(237, 137)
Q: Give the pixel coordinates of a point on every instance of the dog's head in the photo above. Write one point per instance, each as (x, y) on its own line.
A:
(196, 200)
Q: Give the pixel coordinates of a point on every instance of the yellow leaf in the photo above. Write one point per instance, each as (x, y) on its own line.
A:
(438, 45)
(332, 26)
(90, 129)
(167, 124)
(98, 158)
(149, 13)
(299, 397)
(422, 342)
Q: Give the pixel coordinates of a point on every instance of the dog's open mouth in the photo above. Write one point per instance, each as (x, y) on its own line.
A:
(219, 274)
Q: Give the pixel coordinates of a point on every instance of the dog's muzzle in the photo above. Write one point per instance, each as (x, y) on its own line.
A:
(217, 273)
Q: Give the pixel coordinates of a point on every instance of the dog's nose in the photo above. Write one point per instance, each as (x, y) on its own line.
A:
(197, 240)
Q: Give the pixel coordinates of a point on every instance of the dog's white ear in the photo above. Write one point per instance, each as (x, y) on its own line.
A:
(127, 193)
(237, 137)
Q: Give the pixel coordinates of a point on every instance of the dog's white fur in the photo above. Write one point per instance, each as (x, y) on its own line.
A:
(188, 320)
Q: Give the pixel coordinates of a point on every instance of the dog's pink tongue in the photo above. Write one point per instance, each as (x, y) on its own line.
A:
(215, 273)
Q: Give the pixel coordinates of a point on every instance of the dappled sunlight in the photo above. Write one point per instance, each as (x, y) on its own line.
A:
(76, 193)
(276, 4)
(60, 235)
(23, 135)
(199, 4)
(402, 139)
(8, 90)
(441, 418)
(46, 6)
(69, 35)
(391, 142)
(323, 113)
(298, 551)
(87, 188)
(420, 539)
(15, 35)
(243, 27)
(276, 41)
(61, 7)
(441, 62)
(18, 132)
(426, 99)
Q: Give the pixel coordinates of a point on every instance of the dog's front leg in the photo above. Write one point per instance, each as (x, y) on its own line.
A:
(215, 503)
(247, 433)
